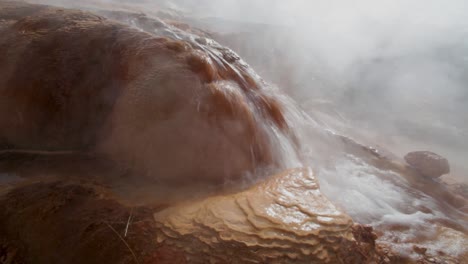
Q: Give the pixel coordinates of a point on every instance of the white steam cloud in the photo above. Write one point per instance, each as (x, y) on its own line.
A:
(396, 70)
(392, 73)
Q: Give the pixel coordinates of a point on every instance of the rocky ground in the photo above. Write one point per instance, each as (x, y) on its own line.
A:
(81, 209)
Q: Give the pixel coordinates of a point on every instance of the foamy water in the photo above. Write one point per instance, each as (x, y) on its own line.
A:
(385, 200)
(403, 216)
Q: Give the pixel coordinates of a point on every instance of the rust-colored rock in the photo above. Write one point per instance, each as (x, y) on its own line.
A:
(282, 220)
(428, 163)
(160, 104)
(58, 222)
(153, 99)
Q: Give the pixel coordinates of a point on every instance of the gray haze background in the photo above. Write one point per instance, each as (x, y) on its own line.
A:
(392, 73)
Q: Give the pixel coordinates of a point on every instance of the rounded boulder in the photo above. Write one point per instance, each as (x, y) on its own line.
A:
(428, 163)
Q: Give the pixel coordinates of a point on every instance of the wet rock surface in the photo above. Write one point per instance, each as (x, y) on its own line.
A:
(84, 84)
(57, 210)
(81, 82)
(282, 220)
(428, 163)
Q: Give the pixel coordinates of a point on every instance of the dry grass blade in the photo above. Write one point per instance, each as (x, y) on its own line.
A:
(128, 222)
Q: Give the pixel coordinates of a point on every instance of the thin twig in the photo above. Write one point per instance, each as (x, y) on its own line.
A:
(125, 242)
(128, 222)
(38, 152)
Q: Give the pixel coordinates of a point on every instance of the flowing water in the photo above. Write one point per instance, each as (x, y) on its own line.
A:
(403, 214)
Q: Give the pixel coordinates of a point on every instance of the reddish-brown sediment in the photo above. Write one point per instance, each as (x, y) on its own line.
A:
(162, 105)
(60, 222)
(284, 220)
(71, 80)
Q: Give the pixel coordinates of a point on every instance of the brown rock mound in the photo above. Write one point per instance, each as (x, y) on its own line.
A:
(161, 104)
(428, 163)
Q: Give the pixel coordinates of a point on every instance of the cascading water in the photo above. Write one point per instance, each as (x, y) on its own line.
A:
(371, 187)
(403, 215)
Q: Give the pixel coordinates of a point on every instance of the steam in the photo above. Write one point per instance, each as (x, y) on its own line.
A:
(396, 68)
(405, 60)
(392, 73)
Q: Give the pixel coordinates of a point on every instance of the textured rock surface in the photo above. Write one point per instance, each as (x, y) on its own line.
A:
(282, 220)
(75, 81)
(86, 223)
(70, 80)
(428, 163)
(66, 222)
